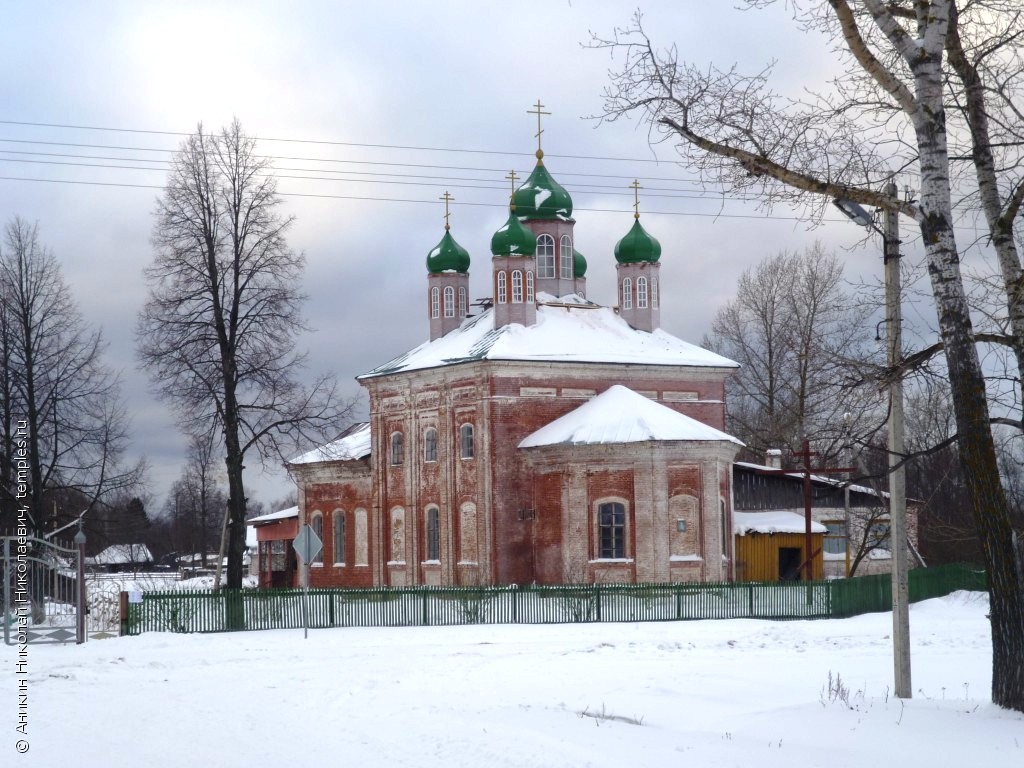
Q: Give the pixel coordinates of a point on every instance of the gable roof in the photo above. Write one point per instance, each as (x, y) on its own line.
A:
(568, 329)
(353, 444)
(620, 415)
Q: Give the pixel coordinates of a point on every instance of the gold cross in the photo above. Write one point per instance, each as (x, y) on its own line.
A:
(512, 176)
(538, 112)
(636, 198)
(447, 199)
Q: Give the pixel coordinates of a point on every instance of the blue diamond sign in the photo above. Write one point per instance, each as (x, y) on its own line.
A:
(307, 544)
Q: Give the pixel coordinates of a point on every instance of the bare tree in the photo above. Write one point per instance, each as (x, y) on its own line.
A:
(218, 331)
(196, 503)
(930, 86)
(800, 340)
(59, 399)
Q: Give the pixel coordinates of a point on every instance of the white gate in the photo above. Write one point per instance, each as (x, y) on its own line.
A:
(43, 597)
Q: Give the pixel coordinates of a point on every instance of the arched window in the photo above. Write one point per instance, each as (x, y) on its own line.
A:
(463, 309)
(641, 293)
(565, 257)
(339, 537)
(397, 449)
(611, 524)
(435, 302)
(317, 524)
(545, 256)
(529, 285)
(517, 287)
(466, 441)
(627, 294)
(430, 445)
(449, 302)
(654, 292)
(502, 290)
(433, 534)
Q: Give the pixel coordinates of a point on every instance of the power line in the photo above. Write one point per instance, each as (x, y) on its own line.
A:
(332, 143)
(428, 166)
(432, 181)
(765, 217)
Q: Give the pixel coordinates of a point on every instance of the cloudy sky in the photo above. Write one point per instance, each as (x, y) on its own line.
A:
(370, 111)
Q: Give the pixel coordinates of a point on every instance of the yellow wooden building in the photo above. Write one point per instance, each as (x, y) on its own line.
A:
(770, 546)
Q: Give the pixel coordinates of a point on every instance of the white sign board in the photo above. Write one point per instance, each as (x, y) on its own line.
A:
(307, 544)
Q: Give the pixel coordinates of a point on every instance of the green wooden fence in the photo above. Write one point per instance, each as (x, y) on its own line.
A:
(204, 611)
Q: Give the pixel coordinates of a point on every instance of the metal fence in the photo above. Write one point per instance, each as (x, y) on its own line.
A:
(204, 611)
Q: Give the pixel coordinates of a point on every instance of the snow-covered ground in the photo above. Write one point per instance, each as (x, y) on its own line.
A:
(712, 693)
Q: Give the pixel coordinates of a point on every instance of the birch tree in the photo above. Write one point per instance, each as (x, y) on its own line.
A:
(929, 86)
(218, 331)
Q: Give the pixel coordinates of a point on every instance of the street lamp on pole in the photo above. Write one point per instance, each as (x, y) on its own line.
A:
(897, 474)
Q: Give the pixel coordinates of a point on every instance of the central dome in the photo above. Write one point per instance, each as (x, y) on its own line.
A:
(541, 197)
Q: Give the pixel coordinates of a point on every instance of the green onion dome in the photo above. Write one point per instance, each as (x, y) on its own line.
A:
(579, 264)
(447, 256)
(541, 197)
(513, 239)
(637, 246)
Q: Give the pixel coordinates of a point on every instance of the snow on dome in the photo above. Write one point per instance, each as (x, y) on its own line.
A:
(772, 522)
(620, 415)
(354, 444)
(581, 333)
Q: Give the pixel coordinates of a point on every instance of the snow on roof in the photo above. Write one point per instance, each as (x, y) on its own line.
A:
(568, 329)
(772, 522)
(620, 415)
(122, 554)
(354, 444)
(271, 517)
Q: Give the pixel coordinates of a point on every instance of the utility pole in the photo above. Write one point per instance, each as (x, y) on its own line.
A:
(898, 542)
(897, 472)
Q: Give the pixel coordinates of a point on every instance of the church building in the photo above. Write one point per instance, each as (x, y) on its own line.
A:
(547, 439)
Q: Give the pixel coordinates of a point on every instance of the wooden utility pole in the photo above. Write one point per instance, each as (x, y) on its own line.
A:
(807, 471)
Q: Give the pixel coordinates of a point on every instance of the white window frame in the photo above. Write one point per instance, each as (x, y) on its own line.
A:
(641, 292)
(432, 527)
(467, 446)
(435, 302)
(449, 302)
(463, 304)
(430, 445)
(627, 293)
(336, 528)
(545, 256)
(529, 285)
(502, 289)
(654, 293)
(565, 257)
(517, 286)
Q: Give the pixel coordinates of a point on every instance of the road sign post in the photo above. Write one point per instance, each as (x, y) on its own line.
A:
(307, 546)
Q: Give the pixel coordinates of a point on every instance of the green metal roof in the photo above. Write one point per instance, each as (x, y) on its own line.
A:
(447, 256)
(637, 246)
(541, 197)
(513, 239)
